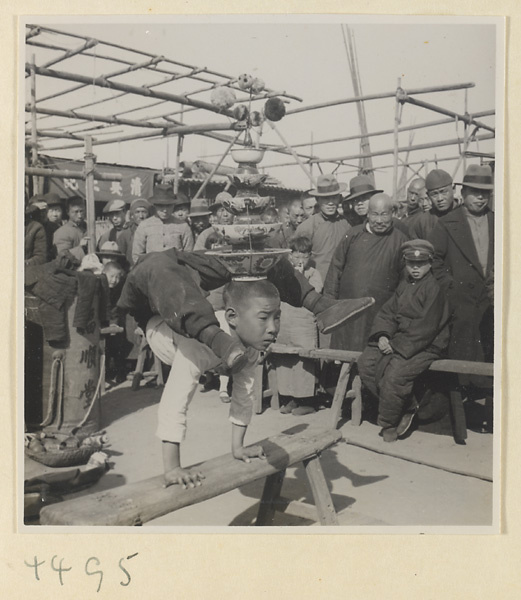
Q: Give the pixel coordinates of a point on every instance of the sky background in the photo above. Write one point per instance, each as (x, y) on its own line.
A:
(305, 59)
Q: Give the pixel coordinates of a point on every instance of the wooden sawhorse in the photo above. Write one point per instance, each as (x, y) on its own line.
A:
(140, 502)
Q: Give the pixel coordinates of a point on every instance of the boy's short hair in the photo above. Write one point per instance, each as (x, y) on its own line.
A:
(113, 266)
(301, 243)
(238, 293)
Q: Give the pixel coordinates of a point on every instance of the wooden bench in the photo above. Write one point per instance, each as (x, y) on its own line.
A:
(137, 503)
(348, 358)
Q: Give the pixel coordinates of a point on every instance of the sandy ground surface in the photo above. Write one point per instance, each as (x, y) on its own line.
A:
(368, 487)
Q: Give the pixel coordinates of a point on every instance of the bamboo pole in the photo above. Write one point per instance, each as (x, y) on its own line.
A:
(444, 111)
(293, 153)
(34, 133)
(465, 131)
(397, 107)
(486, 136)
(66, 174)
(89, 194)
(216, 166)
(428, 90)
(130, 89)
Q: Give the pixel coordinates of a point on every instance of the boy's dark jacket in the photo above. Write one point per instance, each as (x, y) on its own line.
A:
(415, 318)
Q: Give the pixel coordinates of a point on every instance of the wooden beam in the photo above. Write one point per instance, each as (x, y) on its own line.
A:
(90, 43)
(89, 194)
(137, 503)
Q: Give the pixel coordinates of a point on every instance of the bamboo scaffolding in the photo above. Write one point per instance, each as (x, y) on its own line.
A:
(130, 89)
(444, 111)
(229, 79)
(179, 149)
(90, 43)
(167, 131)
(66, 174)
(486, 136)
(428, 90)
(485, 113)
(53, 134)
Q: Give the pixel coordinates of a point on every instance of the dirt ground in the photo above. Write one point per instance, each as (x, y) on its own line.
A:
(452, 488)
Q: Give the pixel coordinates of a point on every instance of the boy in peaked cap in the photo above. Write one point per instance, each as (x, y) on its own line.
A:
(410, 331)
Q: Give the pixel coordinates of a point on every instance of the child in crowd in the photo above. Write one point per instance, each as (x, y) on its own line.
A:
(252, 314)
(270, 215)
(296, 377)
(410, 331)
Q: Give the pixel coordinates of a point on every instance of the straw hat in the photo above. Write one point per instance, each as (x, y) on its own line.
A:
(110, 250)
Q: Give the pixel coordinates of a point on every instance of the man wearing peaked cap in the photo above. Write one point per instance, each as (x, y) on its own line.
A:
(326, 228)
(410, 331)
(140, 209)
(116, 211)
(440, 191)
(355, 205)
(463, 241)
(162, 230)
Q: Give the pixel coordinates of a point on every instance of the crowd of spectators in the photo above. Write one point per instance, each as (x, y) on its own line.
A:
(348, 240)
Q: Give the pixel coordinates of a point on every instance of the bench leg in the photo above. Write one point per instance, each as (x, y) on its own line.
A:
(340, 393)
(356, 406)
(459, 421)
(322, 497)
(270, 494)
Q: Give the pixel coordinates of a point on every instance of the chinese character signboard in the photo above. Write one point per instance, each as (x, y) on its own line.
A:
(136, 183)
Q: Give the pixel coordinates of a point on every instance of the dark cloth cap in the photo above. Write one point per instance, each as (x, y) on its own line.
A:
(417, 250)
(478, 177)
(53, 199)
(437, 178)
(181, 199)
(140, 203)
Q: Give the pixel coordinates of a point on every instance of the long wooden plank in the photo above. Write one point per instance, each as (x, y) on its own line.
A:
(139, 502)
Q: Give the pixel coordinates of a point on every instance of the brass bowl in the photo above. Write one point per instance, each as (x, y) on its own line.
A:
(249, 265)
(245, 234)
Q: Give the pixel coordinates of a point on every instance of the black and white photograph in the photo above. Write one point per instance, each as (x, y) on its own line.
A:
(260, 261)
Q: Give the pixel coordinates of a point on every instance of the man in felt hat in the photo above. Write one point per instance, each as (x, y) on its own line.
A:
(199, 216)
(367, 262)
(463, 241)
(116, 211)
(410, 331)
(361, 189)
(139, 210)
(72, 235)
(326, 228)
(162, 231)
(440, 191)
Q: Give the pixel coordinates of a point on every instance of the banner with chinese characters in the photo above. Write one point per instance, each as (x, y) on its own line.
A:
(136, 183)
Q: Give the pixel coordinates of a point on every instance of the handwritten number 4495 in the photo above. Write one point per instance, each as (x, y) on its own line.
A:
(91, 569)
